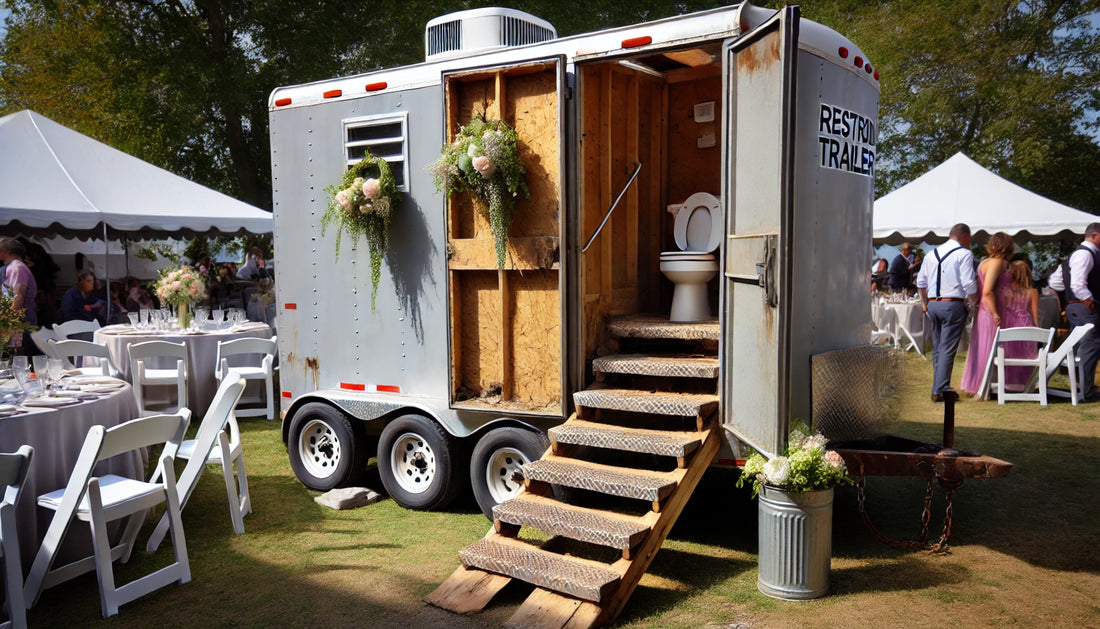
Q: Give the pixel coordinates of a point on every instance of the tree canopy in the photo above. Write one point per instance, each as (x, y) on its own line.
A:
(184, 83)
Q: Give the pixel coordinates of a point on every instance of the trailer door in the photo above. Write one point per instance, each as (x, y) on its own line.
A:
(758, 129)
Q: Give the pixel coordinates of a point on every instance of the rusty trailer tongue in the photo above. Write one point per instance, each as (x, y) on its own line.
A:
(891, 455)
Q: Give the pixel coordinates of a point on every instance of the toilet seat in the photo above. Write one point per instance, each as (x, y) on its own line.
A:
(686, 256)
(698, 226)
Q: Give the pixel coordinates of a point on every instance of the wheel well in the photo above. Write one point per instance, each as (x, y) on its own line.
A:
(368, 428)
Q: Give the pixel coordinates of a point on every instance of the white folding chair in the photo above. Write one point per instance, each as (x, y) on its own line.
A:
(41, 338)
(908, 336)
(98, 501)
(73, 348)
(1066, 355)
(13, 473)
(885, 322)
(265, 350)
(1043, 337)
(76, 326)
(212, 446)
(143, 357)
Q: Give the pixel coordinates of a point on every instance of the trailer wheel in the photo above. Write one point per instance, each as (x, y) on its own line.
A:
(496, 460)
(324, 451)
(417, 463)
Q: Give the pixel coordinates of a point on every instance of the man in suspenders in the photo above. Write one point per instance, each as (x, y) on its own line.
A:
(946, 282)
(1082, 291)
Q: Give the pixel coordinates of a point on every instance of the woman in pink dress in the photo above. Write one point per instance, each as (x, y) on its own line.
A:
(993, 283)
(1021, 309)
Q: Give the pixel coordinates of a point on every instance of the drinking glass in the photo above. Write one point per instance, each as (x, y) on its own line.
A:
(146, 318)
(41, 370)
(135, 319)
(57, 371)
(219, 315)
(21, 369)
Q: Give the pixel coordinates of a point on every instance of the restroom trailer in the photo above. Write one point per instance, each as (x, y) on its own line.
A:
(460, 369)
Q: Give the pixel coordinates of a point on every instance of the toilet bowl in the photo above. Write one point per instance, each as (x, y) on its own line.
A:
(697, 232)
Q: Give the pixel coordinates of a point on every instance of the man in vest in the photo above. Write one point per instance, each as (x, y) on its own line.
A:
(945, 282)
(1082, 290)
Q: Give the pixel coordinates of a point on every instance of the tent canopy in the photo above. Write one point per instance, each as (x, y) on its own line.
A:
(961, 191)
(55, 181)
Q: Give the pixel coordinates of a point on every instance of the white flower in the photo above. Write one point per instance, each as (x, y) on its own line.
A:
(372, 189)
(816, 442)
(473, 150)
(777, 470)
(833, 458)
(485, 166)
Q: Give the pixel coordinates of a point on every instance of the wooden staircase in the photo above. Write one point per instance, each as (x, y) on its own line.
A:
(605, 495)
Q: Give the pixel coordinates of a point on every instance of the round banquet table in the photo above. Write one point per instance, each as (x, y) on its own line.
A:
(202, 355)
(57, 435)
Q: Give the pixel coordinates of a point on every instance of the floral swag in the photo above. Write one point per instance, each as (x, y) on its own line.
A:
(363, 206)
(806, 465)
(484, 161)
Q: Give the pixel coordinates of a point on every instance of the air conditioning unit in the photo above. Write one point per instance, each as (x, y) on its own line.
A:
(479, 30)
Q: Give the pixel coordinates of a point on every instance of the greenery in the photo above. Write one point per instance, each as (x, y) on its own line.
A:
(363, 206)
(484, 161)
(805, 465)
(11, 322)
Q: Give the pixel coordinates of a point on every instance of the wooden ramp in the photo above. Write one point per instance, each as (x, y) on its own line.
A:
(607, 492)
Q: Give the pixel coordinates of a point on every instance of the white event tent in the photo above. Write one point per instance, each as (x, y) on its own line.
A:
(961, 191)
(57, 182)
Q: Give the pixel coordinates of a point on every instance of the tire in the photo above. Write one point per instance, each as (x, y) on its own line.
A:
(325, 451)
(417, 463)
(496, 457)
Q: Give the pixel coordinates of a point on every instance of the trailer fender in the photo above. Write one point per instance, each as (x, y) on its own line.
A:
(363, 407)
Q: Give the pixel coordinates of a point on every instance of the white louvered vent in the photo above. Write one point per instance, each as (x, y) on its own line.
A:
(478, 30)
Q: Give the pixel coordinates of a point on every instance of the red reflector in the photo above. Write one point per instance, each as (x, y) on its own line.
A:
(287, 394)
(843, 52)
(634, 42)
(374, 87)
(388, 388)
(858, 62)
(353, 387)
(290, 306)
(876, 75)
(726, 462)
(867, 68)
(282, 102)
(333, 93)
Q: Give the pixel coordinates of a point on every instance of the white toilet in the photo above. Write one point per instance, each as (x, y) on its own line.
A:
(698, 232)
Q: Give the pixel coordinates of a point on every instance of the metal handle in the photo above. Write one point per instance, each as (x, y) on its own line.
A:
(633, 176)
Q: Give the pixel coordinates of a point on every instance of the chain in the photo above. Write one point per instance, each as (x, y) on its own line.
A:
(926, 516)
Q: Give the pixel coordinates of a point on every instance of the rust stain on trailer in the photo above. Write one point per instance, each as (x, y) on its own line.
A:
(759, 56)
(311, 363)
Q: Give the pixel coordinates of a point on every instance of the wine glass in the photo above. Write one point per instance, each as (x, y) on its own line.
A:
(41, 370)
(56, 370)
(135, 319)
(21, 369)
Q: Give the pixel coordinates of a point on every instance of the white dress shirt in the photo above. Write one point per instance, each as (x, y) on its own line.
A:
(1080, 265)
(957, 279)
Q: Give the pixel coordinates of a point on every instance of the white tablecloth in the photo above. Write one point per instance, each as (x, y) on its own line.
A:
(57, 434)
(202, 354)
(898, 318)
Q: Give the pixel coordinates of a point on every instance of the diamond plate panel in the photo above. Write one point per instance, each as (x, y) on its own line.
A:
(533, 565)
(663, 366)
(639, 484)
(852, 389)
(661, 403)
(663, 443)
(576, 523)
(655, 327)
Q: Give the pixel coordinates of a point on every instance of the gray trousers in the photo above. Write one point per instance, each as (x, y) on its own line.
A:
(1089, 349)
(948, 321)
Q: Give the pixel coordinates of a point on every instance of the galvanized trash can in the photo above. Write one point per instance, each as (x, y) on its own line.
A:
(796, 543)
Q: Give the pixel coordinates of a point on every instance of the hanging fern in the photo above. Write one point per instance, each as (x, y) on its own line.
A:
(363, 206)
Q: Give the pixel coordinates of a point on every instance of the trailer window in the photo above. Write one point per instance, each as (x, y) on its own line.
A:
(383, 136)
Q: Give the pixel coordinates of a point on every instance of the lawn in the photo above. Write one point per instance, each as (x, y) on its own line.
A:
(1023, 549)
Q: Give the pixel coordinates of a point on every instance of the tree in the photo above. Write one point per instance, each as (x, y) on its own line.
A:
(1012, 84)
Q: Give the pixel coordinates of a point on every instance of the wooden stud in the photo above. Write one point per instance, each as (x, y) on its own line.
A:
(631, 200)
(467, 590)
(544, 609)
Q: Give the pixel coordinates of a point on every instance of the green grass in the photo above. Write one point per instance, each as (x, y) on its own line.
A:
(1023, 548)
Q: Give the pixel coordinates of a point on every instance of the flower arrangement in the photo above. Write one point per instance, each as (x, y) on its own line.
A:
(11, 324)
(363, 205)
(484, 161)
(181, 286)
(805, 465)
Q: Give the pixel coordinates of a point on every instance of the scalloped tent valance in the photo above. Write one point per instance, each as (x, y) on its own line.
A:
(961, 191)
(57, 182)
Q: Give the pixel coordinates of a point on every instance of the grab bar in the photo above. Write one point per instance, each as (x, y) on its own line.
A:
(633, 176)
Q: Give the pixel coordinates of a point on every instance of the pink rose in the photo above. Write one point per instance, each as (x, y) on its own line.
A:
(175, 285)
(372, 189)
(485, 166)
(833, 458)
(342, 199)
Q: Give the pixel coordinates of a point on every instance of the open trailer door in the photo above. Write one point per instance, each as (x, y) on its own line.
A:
(758, 101)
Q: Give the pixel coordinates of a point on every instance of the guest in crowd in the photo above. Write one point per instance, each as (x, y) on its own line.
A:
(136, 296)
(254, 266)
(18, 281)
(901, 269)
(946, 280)
(1002, 305)
(80, 301)
(118, 308)
(1082, 290)
(880, 276)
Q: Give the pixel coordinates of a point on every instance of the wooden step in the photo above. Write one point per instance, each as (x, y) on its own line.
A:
(667, 366)
(605, 528)
(584, 579)
(658, 327)
(605, 479)
(676, 443)
(647, 402)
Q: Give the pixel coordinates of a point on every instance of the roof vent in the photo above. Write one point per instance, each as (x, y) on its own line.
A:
(480, 30)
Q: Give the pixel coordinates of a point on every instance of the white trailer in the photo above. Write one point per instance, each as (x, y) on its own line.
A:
(461, 369)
